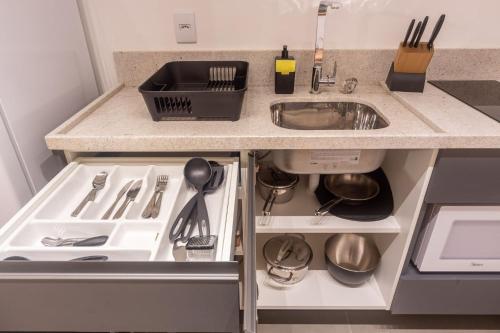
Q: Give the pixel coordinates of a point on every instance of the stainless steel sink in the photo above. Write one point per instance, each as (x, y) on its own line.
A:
(326, 116)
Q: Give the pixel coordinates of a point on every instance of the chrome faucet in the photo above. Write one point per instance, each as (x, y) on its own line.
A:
(317, 77)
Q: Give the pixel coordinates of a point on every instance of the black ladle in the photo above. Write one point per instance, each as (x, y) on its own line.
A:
(198, 172)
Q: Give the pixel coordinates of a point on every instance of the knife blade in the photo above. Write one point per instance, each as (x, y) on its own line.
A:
(435, 32)
(421, 32)
(408, 32)
(130, 197)
(120, 194)
(415, 33)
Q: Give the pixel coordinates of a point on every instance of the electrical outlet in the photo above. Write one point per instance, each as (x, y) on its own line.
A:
(185, 27)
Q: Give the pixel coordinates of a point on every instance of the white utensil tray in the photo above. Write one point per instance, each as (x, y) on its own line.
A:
(131, 237)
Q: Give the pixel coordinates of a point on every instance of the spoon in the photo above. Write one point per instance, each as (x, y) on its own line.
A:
(92, 241)
(198, 173)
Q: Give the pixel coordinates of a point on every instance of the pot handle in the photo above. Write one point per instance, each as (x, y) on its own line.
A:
(296, 234)
(278, 277)
(323, 210)
(268, 205)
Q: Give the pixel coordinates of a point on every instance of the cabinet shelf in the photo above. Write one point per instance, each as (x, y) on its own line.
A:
(319, 291)
(297, 215)
(326, 224)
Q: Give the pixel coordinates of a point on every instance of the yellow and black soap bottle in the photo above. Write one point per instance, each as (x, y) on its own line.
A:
(284, 76)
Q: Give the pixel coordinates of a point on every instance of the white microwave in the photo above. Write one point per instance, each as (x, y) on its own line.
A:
(460, 239)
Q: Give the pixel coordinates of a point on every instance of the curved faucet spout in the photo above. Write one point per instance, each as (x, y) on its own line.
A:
(317, 78)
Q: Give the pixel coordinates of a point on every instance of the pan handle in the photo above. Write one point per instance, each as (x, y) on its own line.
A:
(268, 205)
(279, 277)
(323, 210)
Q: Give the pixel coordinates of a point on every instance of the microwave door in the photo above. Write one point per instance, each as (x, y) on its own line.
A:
(461, 239)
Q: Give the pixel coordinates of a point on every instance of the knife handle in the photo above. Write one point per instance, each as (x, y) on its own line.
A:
(120, 211)
(157, 205)
(408, 32)
(415, 34)
(435, 32)
(110, 210)
(421, 32)
(88, 198)
(146, 214)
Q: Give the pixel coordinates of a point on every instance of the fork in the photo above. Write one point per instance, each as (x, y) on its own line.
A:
(97, 185)
(153, 207)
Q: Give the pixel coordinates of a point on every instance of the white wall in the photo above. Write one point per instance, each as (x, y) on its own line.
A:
(46, 77)
(267, 24)
(15, 190)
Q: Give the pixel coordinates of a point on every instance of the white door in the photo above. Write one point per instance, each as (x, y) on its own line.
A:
(46, 76)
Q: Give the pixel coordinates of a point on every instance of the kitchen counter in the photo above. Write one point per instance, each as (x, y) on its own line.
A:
(119, 121)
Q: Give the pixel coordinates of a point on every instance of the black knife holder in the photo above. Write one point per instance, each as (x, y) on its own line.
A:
(407, 82)
(408, 70)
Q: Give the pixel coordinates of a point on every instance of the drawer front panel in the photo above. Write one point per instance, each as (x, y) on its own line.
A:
(466, 177)
(119, 305)
(447, 297)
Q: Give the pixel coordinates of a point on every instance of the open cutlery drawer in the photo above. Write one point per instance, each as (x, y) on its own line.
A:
(139, 286)
(129, 237)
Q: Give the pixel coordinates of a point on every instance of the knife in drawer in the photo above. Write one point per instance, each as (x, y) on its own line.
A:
(118, 197)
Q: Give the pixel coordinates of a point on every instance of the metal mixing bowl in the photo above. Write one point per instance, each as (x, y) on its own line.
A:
(351, 259)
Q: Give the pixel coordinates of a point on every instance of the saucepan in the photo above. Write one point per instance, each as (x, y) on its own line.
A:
(351, 187)
(287, 258)
(275, 186)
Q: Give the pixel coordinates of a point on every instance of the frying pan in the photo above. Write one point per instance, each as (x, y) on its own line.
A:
(352, 187)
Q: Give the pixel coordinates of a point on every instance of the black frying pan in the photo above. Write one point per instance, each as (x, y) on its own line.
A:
(350, 187)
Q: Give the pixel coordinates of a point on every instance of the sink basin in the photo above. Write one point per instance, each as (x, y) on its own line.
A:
(326, 116)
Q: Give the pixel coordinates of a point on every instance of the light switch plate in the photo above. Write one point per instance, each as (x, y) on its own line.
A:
(185, 27)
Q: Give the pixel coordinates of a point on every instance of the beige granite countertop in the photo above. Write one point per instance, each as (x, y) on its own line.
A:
(119, 121)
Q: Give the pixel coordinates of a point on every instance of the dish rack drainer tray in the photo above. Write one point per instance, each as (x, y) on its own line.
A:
(196, 90)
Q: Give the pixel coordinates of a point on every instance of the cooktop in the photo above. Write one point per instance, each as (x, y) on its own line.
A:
(483, 95)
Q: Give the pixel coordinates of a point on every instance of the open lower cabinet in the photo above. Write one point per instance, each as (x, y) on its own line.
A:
(407, 173)
(137, 283)
(144, 287)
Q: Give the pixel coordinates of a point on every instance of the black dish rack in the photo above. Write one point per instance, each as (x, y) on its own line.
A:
(196, 90)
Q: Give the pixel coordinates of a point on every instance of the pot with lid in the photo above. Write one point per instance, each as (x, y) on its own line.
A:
(288, 258)
(275, 186)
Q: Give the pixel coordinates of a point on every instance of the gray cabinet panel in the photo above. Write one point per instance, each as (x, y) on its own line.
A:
(466, 177)
(459, 294)
(119, 296)
(118, 305)
(444, 293)
(250, 285)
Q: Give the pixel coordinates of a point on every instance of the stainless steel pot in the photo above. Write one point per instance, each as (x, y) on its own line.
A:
(275, 186)
(351, 258)
(288, 258)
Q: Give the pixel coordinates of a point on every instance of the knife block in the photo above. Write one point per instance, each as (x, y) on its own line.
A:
(408, 82)
(413, 60)
(408, 70)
